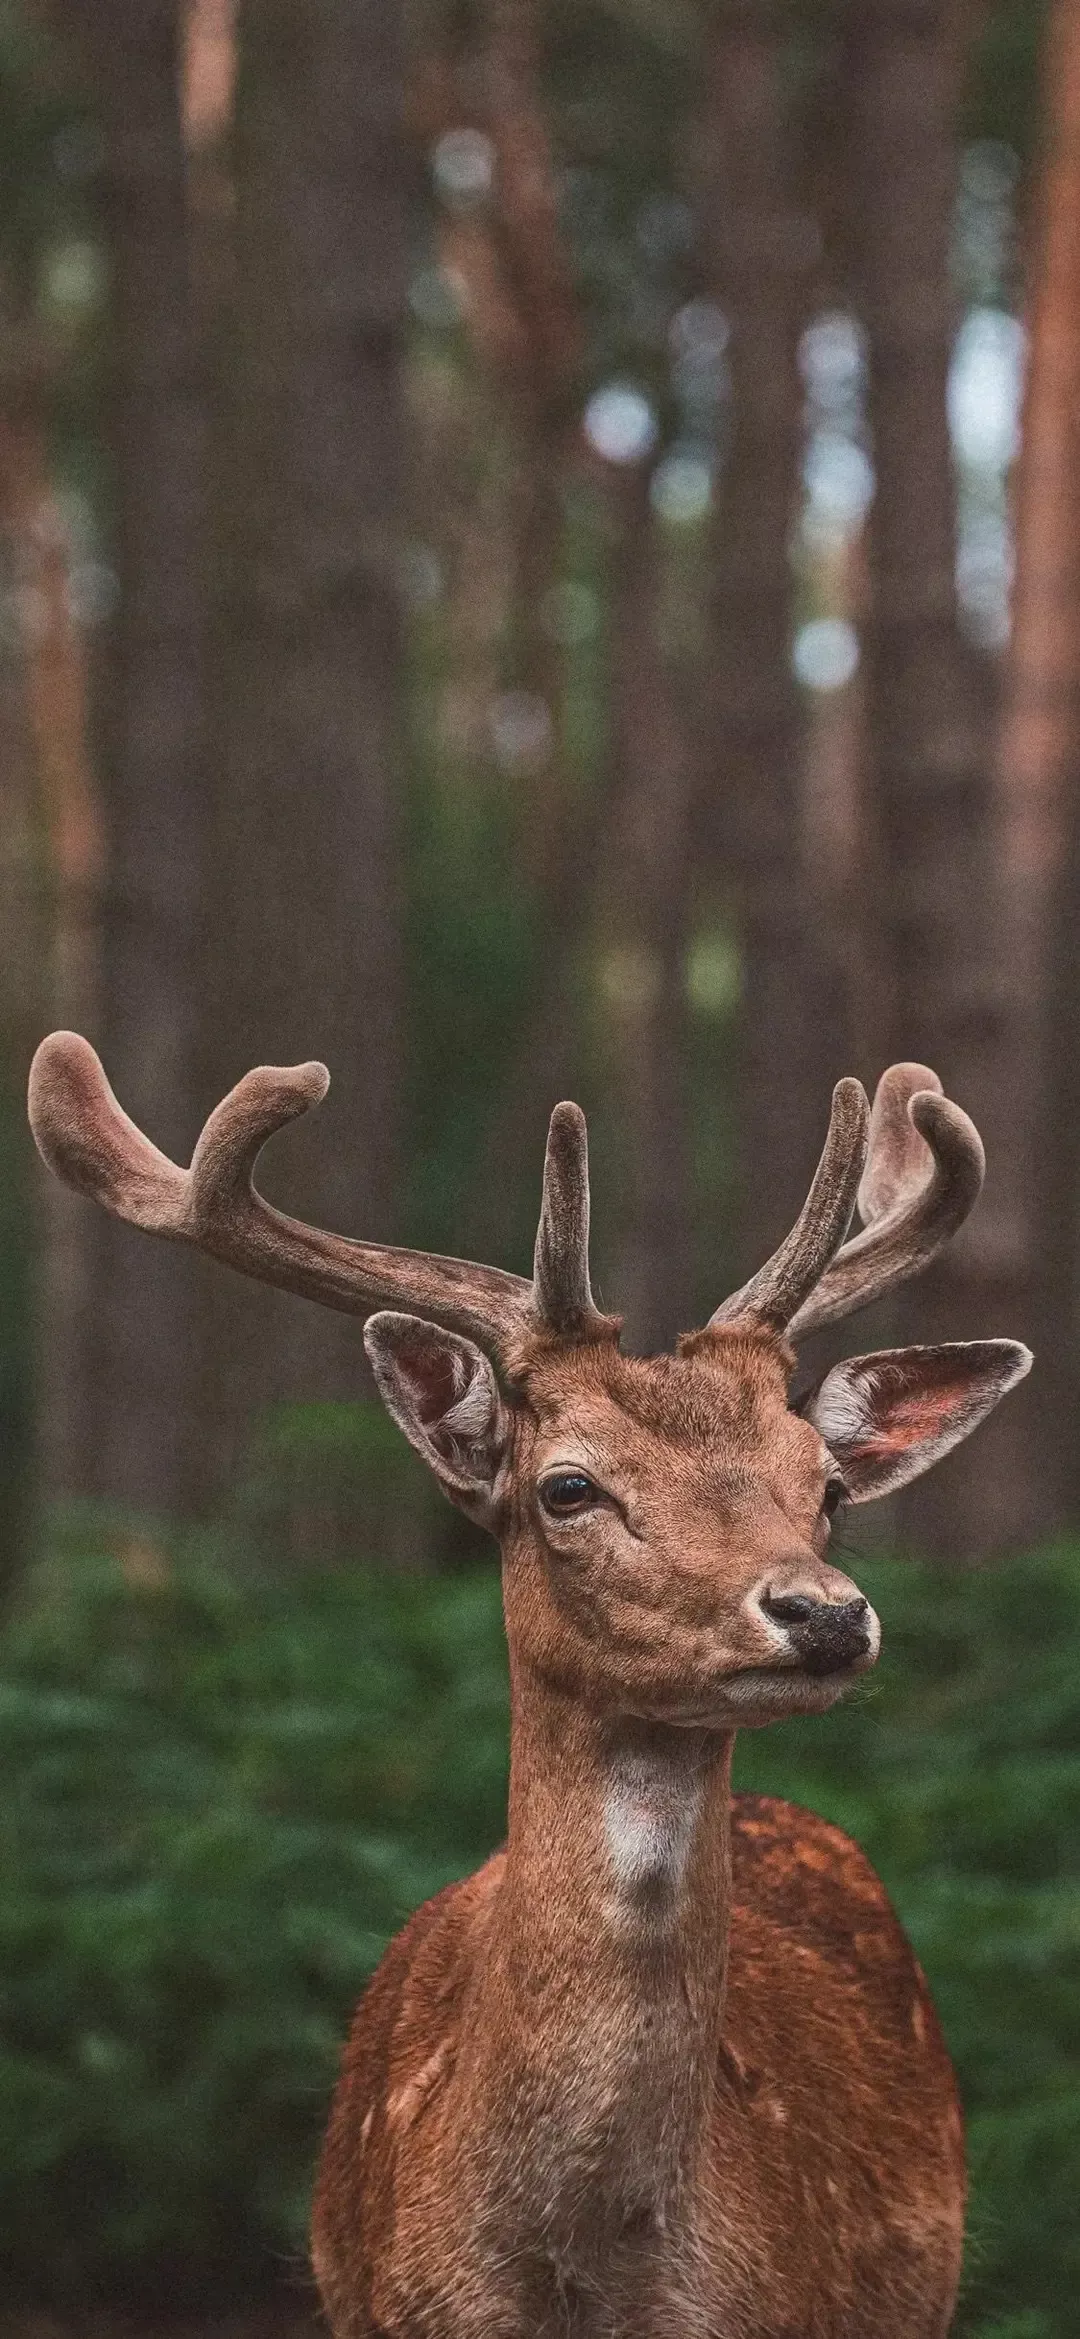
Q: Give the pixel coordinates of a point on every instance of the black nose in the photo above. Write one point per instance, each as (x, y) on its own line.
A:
(827, 1634)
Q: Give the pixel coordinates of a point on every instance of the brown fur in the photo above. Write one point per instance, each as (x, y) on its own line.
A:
(666, 2068)
(832, 2197)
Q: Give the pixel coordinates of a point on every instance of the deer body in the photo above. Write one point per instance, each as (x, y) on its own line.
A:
(665, 2068)
(662, 2162)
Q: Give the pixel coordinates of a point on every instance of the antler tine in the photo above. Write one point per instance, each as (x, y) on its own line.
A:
(88, 1140)
(923, 1176)
(562, 1295)
(777, 1292)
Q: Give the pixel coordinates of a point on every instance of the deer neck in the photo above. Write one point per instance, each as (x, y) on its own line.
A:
(600, 1997)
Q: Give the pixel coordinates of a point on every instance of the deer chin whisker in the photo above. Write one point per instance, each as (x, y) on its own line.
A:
(757, 1694)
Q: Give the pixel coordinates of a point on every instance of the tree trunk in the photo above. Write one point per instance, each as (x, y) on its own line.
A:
(124, 1429)
(649, 914)
(25, 547)
(540, 386)
(929, 704)
(1039, 771)
(54, 921)
(306, 888)
(757, 248)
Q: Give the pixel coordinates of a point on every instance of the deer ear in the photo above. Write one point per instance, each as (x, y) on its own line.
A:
(443, 1393)
(887, 1418)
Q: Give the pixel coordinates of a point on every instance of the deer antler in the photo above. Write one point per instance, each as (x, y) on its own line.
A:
(924, 1169)
(561, 1291)
(88, 1140)
(923, 1176)
(775, 1294)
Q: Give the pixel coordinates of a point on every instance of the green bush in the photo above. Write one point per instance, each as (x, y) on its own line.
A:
(220, 1799)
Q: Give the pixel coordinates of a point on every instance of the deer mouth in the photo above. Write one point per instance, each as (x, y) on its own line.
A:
(757, 1694)
(803, 1672)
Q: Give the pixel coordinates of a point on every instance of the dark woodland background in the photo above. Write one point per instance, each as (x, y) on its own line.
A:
(539, 555)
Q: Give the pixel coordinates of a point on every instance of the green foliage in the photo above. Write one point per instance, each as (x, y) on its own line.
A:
(221, 1799)
(317, 1477)
(218, 1806)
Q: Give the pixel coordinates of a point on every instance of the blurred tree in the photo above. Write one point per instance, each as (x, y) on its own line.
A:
(507, 256)
(758, 250)
(564, 264)
(650, 863)
(477, 107)
(1039, 768)
(929, 707)
(24, 651)
(545, 377)
(306, 877)
(121, 1420)
(838, 866)
(52, 868)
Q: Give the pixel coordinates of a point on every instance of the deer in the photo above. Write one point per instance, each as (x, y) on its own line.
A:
(666, 2066)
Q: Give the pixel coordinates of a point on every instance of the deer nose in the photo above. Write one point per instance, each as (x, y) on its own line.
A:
(826, 1634)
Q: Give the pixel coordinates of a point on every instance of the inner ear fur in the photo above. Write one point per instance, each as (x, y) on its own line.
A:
(443, 1393)
(886, 1418)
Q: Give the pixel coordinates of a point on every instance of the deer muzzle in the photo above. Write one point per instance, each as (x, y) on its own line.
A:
(825, 1635)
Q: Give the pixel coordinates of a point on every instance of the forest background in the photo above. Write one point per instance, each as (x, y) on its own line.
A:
(539, 555)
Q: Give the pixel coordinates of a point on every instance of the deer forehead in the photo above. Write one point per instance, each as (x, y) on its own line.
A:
(721, 1404)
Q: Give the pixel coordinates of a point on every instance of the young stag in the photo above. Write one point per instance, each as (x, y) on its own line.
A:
(665, 2068)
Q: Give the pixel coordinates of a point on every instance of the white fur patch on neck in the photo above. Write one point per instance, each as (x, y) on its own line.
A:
(651, 1808)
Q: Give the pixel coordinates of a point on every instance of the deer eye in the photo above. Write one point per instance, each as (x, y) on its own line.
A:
(835, 1493)
(568, 1492)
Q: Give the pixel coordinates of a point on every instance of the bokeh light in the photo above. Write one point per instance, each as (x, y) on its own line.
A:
(986, 385)
(825, 653)
(522, 732)
(435, 299)
(681, 488)
(620, 424)
(463, 166)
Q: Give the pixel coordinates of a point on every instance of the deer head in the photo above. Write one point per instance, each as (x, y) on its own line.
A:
(665, 1521)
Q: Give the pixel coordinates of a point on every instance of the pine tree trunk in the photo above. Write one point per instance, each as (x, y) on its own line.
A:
(24, 987)
(54, 908)
(756, 250)
(307, 887)
(1039, 771)
(929, 704)
(123, 1426)
(540, 386)
(649, 913)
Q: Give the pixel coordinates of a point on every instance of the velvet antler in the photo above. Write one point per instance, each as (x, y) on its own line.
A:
(561, 1289)
(778, 1290)
(923, 1172)
(87, 1138)
(923, 1177)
